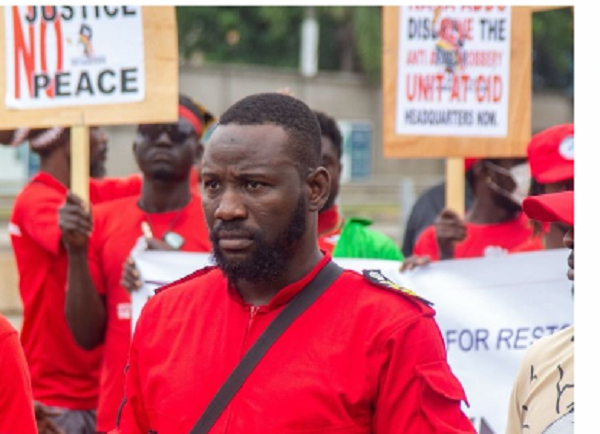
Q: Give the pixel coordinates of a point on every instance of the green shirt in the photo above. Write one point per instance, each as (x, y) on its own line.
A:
(358, 241)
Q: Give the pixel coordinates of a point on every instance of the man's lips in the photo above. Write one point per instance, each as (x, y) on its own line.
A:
(234, 241)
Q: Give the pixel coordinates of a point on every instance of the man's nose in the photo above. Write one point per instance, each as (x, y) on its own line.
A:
(163, 139)
(230, 206)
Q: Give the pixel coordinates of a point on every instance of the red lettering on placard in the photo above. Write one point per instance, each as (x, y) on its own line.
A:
(23, 52)
(25, 48)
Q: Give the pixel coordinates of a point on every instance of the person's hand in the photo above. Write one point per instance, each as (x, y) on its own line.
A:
(75, 223)
(413, 262)
(130, 277)
(450, 230)
(43, 421)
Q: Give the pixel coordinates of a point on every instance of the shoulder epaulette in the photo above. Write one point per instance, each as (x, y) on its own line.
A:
(195, 274)
(377, 278)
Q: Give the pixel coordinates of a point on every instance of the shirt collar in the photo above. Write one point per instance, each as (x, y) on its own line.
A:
(288, 292)
(49, 180)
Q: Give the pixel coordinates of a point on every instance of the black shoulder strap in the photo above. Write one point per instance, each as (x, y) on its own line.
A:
(293, 310)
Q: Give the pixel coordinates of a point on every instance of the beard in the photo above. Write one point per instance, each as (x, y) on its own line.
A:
(269, 260)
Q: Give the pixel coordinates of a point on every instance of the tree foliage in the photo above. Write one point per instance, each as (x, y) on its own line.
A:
(553, 49)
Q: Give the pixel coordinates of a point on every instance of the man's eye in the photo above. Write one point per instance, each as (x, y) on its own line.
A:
(254, 185)
(211, 185)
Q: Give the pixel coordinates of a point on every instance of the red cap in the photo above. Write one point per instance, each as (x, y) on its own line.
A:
(551, 154)
(553, 207)
(469, 163)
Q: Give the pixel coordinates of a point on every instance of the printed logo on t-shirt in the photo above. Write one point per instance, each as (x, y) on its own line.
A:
(494, 251)
(124, 311)
(567, 148)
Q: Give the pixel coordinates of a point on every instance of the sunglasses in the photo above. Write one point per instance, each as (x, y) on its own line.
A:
(177, 133)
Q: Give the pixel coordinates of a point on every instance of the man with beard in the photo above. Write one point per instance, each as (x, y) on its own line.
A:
(351, 237)
(98, 309)
(494, 225)
(64, 377)
(363, 358)
(542, 399)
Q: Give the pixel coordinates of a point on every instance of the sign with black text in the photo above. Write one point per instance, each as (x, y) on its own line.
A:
(453, 71)
(59, 56)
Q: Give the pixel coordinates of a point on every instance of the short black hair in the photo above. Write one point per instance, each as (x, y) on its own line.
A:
(288, 112)
(330, 130)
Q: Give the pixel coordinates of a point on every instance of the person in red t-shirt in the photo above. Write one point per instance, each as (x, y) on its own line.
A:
(98, 308)
(494, 225)
(551, 157)
(16, 398)
(364, 358)
(64, 376)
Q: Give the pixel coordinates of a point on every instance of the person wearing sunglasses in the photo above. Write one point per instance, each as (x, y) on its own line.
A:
(98, 308)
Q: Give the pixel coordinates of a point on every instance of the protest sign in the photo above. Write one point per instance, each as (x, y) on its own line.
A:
(489, 311)
(87, 65)
(457, 81)
(78, 66)
(82, 60)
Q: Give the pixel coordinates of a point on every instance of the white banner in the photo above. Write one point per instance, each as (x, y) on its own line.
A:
(453, 71)
(60, 56)
(489, 311)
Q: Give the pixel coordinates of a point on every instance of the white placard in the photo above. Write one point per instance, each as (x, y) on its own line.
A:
(489, 311)
(453, 71)
(58, 56)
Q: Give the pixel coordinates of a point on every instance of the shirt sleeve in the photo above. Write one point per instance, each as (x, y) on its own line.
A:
(418, 393)
(39, 220)
(16, 399)
(106, 189)
(133, 418)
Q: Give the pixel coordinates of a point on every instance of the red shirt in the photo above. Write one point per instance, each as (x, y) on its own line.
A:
(16, 399)
(116, 230)
(361, 359)
(482, 240)
(329, 228)
(62, 373)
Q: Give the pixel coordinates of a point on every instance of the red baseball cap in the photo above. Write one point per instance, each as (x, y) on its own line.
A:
(553, 207)
(551, 154)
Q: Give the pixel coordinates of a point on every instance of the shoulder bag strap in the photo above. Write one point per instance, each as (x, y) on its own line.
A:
(299, 304)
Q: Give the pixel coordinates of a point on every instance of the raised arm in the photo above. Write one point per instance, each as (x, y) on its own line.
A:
(85, 307)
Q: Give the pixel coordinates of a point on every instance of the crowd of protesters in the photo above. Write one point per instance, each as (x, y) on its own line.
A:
(262, 196)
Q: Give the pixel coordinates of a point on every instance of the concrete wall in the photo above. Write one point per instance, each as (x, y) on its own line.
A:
(343, 96)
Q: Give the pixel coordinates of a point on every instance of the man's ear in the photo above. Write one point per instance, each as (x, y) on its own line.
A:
(318, 183)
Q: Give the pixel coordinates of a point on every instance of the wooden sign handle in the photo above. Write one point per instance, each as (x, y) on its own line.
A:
(455, 185)
(80, 161)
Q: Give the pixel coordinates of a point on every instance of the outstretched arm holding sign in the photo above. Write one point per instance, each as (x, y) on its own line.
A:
(85, 310)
